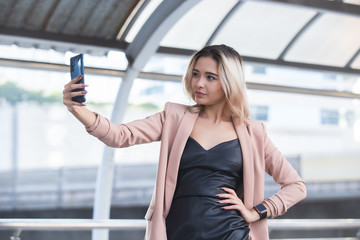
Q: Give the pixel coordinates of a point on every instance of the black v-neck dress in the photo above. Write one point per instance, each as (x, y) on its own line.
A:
(195, 213)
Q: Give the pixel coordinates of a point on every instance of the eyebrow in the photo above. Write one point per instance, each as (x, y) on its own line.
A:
(211, 73)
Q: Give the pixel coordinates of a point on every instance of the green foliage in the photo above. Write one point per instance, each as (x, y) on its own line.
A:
(14, 94)
(145, 105)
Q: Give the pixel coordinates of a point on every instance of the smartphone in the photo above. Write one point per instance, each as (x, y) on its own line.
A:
(76, 69)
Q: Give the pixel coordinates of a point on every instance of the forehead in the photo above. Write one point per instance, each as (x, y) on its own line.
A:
(206, 64)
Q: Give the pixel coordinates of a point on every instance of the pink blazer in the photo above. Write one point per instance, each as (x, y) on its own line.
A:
(172, 127)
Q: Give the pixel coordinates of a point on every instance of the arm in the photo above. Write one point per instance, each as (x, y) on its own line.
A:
(84, 115)
(292, 187)
(141, 131)
(114, 135)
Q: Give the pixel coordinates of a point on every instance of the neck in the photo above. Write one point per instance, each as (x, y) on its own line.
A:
(216, 114)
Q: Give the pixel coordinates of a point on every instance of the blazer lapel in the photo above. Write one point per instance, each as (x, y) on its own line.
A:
(248, 164)
(182, 134)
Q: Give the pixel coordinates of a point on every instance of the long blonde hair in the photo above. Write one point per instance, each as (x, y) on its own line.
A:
(231, 76)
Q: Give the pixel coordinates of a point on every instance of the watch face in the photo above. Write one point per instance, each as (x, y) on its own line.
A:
(261, 208)
(262, 211)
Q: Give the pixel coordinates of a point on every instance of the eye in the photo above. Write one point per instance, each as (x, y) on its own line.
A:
(210, 77)
(195, 74)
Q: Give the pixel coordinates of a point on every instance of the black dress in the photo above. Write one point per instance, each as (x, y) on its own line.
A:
(195, 213)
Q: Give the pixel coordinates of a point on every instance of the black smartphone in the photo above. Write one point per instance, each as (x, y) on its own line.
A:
(76, 69)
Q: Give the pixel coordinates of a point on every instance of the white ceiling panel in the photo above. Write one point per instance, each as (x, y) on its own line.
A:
(263, 29)
(194, 29)
(332, 40)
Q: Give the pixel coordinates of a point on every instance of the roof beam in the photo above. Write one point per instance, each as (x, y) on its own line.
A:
(155, 28)
(326, 6)
(304, 66)
(223, 22)
(352, 59)
(15, 35)
(169, 77)
(298, 34)
(265, 61)
(137, 11)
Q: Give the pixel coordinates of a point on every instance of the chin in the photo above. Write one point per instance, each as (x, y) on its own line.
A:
(200, 102)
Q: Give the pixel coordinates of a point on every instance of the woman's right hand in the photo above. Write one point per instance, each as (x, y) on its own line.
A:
(68, 94)
(84, 115)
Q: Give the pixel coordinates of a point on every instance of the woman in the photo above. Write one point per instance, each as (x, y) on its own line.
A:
(210, 179)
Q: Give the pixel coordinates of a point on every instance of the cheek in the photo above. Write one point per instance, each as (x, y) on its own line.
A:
(218, 89)
(193, 83)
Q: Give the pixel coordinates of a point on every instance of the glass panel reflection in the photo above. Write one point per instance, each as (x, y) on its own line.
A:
(194, 29)
(263, 29)
(332, 40)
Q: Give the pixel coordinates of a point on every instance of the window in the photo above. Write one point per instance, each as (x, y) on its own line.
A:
(259, 113)
(329, 117)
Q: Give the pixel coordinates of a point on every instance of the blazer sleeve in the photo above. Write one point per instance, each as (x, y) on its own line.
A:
(292, 187)
(124, 135)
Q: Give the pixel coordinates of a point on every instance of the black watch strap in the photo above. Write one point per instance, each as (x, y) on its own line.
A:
(261, 210)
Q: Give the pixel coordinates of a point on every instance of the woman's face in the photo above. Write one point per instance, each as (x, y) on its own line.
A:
(205, 82)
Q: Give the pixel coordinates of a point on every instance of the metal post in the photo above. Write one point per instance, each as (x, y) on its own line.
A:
(14, 152)
(139, 52)
(105, 173)
(16, 235)
(59, 183)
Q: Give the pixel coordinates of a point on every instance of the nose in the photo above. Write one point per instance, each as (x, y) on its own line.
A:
(200, 82)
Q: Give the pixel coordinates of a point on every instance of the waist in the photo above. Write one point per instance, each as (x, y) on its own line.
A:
(205, 183)
(210, 190)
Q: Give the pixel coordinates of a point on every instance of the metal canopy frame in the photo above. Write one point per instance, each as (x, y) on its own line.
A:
(138, 53)
(170, 78)
(321, 6)
(337, 6)
(146, 44)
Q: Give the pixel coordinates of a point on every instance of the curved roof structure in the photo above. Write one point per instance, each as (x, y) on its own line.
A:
(316, 34)
(319, 35)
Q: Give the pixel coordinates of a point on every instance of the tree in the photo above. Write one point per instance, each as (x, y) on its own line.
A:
(14, 95)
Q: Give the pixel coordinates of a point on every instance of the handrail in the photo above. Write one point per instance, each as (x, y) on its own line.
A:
(138, 224)
(20, 224)
(46, 224)
(311, 224)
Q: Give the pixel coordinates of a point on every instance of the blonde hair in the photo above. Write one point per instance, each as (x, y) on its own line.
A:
(231, 76)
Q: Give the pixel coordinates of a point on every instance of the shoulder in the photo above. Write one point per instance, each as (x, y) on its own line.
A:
(175, 108)
(256, 128)
(255, 124)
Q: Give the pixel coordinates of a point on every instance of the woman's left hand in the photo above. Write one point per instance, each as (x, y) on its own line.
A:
(234, 202)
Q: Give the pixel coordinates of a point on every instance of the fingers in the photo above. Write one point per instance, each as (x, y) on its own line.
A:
(69, 93)
(75, 80)
(230, 193)
(229, 190)
(77, 86)
(70, 87)
(67, 99)
(232, 202)
(230, 198)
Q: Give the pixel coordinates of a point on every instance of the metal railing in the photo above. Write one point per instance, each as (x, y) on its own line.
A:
(19, 225)
(133, 185)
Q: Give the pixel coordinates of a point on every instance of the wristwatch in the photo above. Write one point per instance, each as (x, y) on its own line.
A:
(261, 210)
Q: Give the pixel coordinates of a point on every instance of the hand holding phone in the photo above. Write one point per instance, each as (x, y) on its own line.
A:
(76, 69)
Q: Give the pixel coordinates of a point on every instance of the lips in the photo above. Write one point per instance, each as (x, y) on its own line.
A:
(199, 94)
